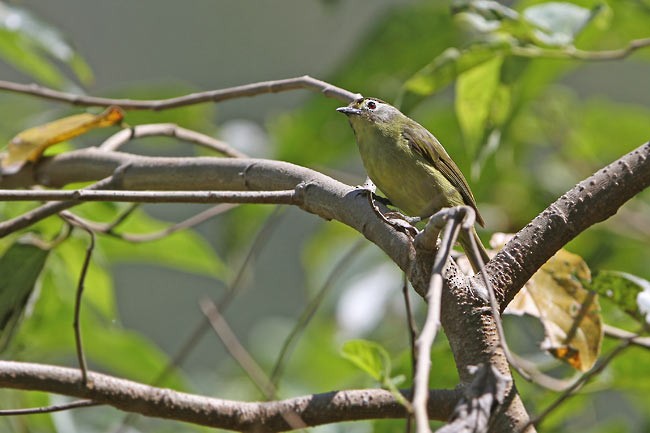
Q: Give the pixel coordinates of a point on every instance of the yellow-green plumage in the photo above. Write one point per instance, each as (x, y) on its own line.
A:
(408, 164)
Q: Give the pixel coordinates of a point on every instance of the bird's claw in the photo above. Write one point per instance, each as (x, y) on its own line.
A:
(402, 223)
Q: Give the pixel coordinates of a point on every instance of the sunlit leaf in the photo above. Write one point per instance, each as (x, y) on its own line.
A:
(14, 50)
(445, 68)
(184, 250)
(556, 294)
(30, 144)
(475, 93)
(629, 292)
(31, 45)
(374, 360)
(20, 267)
(369, 356)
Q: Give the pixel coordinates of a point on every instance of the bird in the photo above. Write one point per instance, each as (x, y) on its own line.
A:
(410, 166)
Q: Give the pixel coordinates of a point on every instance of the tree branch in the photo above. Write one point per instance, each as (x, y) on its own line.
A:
(81, 195)
(317, 409)
(247, 90)
(122, 137)
(593, 200)
(319, 194)
(577, 54)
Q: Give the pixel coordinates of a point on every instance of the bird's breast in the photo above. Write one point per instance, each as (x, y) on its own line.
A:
(409, 181)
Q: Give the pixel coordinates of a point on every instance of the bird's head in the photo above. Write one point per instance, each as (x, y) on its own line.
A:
(371, 110)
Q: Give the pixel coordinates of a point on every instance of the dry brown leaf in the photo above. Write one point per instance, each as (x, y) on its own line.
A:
(569, 313)
(30, 144)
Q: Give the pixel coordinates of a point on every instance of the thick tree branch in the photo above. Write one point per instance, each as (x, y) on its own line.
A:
(247, 90)
(331, 407)
(593, 200)
(319, 194)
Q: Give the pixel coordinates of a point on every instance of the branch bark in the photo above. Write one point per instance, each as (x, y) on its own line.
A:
(246, 90)
(466, 317)
(319, 194)
(317, 409)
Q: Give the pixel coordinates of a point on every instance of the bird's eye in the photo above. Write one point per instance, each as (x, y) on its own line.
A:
(371, 105)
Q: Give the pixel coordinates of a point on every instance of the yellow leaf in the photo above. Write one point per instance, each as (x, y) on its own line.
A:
(30, 144)
(570, 313)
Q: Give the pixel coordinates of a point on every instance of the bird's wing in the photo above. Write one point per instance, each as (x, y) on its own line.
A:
(424, 143)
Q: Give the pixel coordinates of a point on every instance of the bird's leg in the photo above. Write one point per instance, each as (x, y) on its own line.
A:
(402, 222)
(396, 219)
(368, 188)
(398, 215)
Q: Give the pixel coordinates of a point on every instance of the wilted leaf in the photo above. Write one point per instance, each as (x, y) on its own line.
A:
(570, 313)
(629, 292)
(30, 144)
(369, 357)
(20, 267)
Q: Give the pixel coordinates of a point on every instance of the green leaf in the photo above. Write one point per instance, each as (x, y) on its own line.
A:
(184, 250)
(629, 292)
(369, 357)
(20, 267)
(445, 68)
(17, 52)
(475, 92)
(34, 46)
(558, 23)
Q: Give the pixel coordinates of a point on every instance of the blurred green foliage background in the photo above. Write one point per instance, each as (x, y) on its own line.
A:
(494, 84)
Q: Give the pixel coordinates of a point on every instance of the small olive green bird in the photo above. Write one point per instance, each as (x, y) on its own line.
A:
(409, 165)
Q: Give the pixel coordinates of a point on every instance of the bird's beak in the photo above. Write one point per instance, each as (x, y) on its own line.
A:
(349, 110)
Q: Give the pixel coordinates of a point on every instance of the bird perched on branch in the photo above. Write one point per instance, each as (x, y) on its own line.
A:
(409, 165)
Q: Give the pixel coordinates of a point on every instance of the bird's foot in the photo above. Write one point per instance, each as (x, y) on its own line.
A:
(402, 222)
(396, 219)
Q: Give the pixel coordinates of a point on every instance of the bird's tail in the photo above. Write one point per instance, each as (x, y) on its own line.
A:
(465, 242)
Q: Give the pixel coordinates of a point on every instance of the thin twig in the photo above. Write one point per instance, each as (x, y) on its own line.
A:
(245, 360)
(412, 331)
(432, 322)
(574, 53)
(410, 321)
(83, 195)
(49, 209)
(204, 325)
(621, 334)
(122, 137)
(121, 217)
(584, 309)
(80, 288)
(237, 350)
(494, 305)
(190, 222)
(194, 220)
(49, 409)
(311, 308)
(260, 239)
(253, 89)
(578, 384)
